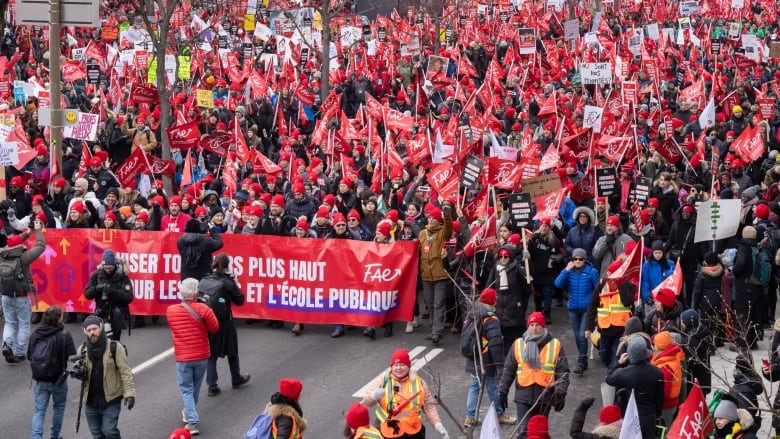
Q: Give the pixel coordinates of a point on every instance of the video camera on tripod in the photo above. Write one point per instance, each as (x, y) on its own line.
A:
(79, 370)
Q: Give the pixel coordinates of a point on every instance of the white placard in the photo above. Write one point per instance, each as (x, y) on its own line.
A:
(9, 154)
(592, 117)
(78, 53)
(85, 129)
(652, 31)
(571, 29)
(737, 4)
(725, 224)
(596, 73)
(350, 35)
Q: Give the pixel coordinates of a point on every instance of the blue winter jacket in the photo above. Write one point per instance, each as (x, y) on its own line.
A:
(584, 238)
(652, 275)
(580, 284)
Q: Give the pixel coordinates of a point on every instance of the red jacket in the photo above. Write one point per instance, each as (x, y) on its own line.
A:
(190, 340)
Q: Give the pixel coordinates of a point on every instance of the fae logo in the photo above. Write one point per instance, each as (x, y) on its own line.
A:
(377, 274)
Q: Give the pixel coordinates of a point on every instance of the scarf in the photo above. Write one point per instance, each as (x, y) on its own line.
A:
(96, 350)
(503, 282)
(531, 349)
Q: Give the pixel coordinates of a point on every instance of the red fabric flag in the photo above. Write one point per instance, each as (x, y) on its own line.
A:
(585, 188)
(261, 163)
(613, 148)
(478, 206)
(184, 136)
(304, 94)
(444, 179)
(548, 205)
(670, 150)
(242, 149)
(186, 173)
(135, 164)
(331, 106)
(693, 417)
(395, 120)
(217, 143)
(749, 145)
(482, 238)
(230, 174)
(72, 71)
(374, 108)
(504, 174)
(673, 282)
(26, 153)
(86, 156)
(629, 270)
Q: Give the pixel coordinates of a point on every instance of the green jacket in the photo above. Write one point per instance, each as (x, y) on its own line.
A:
(117, 379)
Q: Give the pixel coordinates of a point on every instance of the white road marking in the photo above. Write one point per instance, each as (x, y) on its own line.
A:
(417, 364)
(152, 361)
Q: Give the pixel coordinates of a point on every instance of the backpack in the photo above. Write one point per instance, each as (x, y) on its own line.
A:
(210, 292)
(46, 365)
(762, 266)
(11, 276)
(772, 243)
(468, 337)
(260, 428)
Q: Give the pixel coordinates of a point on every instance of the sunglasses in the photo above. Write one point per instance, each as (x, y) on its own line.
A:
(577, 259)
(504, 257)
(340, 225)
(352, 219)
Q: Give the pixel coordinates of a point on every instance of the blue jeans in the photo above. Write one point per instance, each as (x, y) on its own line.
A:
(190, 376)
(17, 312)
(577, 319)
(492, 392)
(103, 424)
(59, 396)
(608, 349)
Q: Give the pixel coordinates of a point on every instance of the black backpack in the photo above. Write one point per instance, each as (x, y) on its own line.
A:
(11, 275)
(468, 337)
(46, 365)
(211, 292)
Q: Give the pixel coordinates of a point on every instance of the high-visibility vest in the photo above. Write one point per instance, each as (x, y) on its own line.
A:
(295, 433)
(367, 432)
(611, 311)
(526, 375)
(411, 388)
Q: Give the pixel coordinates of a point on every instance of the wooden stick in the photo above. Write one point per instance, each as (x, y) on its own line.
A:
(525, 260)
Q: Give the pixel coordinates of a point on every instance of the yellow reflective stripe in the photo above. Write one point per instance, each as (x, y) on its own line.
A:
(602, 312)
(619, 308)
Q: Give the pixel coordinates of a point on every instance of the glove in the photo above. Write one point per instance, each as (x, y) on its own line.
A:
(502, 399)
(586, 403)
(526, 255)
(559, 401)
(130, 402)
(442, 431)
(377, 394)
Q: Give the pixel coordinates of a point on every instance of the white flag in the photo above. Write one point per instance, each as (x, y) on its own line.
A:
(440, 150)
(707, 117)
(490, 428)
(592, 118)
(631, 428)
(717, 219)
(502, 152)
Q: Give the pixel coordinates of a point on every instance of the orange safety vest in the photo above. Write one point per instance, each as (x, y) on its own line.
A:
(611, 311)
(367, 432)
(412, 388)
(526, 375)
(295, 433)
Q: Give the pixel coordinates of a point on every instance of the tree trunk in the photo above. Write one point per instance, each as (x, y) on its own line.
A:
(325, 53)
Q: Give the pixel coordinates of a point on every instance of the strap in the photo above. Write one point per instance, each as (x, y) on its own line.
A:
(191, 311)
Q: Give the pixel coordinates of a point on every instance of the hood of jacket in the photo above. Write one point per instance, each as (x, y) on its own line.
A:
(712, 271)
(611, 431)
(12, 252)
(669, 354)
(587, 211)
(46, 330)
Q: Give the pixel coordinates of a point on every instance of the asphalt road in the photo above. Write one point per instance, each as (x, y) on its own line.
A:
(332, 372)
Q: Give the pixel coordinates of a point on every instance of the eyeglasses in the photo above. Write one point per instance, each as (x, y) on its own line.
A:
(504, 257)
(352, 219)
(340, 225)
(577, 259)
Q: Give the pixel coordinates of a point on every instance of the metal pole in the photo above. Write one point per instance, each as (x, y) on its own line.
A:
(55, 80)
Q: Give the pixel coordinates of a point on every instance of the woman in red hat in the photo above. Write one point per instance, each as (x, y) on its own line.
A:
(285, 409)
(546, 252)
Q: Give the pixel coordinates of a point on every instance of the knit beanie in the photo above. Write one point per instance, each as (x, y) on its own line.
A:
(690, 319)
(538, 426)
(92, 320)
(726, 410)
(109, 258)
(488, 297)
(290, 387)
(609, 414)
(357, 416)
(633, 325)
(401, 356)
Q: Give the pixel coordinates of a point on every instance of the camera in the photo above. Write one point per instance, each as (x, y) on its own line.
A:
(78, 371)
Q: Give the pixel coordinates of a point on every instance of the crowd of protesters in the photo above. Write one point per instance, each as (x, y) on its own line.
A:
(344, 171)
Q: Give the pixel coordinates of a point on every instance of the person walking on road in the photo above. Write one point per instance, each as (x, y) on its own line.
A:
(359, 423)
(17, 310)
(400, 397)
(538, 368)
(225, 341)
(109, 380)
(47, 385)
(285, 409)
(190, 321)
(434, 276)
(111, 289)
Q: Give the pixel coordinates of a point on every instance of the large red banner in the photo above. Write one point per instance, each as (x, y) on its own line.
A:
(323, 281)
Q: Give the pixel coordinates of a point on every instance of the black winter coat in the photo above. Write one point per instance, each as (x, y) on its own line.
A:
(507, 309)
(707, 298)
(196, 250)
(646, 381)
(224, 342)
(493, 359)
(670, 321)
(112, 295)
(698, 345)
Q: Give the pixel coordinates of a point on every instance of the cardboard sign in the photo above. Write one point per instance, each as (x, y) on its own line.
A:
(521, 209)
(606, 180)
(539, 186)
(9, 154)
(596, 73)
(472, 171)
(204, 99)
(774, 49)
(767, 106)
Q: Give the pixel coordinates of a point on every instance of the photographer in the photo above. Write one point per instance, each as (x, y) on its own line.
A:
(111, 289)
(108, 379)
(49, 377)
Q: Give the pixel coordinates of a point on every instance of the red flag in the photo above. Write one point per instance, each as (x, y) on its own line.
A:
(477, 207)
(230, 174)
(548, 205)
(26, 153)
(186, 173)
(135, 164)
(673, 282)
(304, 94)
(184, 136)
(749, 145)
(331, 105)
(629, 270)
(444, 179)
(693, 417)
(217, 143)
(670, 150)
(242, 149)
(72, 71)
(374, 108)
(395, 120)
(261, 163)
(483, 238)
(504, 174)
(86, 156)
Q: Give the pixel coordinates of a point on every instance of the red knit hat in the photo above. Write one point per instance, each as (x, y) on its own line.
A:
(353, 214)
(329, 199)
(78, 206)
(143, 216)
(290, 387)
(278, 200)
(488, 297)
(95, 161)
(383, 228)
(302, 224)
(537, 317)
(200, 210)
(298, 189)
(538, 427)
(180, 433)
(614, 221)
(357, 416)
(653, 202)
(762, 211)
(401, 356)
(609, 414)
(60, 183)
(338, 218)
(514, 239)
(392, 215)
(436, 214)
(667, 297)
(322, 212)
(110, 215)
(175, 200)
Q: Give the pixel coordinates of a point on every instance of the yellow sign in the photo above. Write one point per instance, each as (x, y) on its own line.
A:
(205, 99)
(249, 22)
(184, 67)
(151, 73)
(71, 117)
